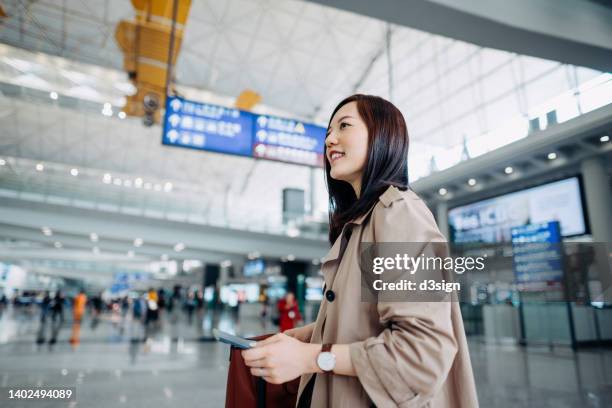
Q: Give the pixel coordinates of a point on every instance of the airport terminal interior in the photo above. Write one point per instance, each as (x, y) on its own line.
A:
(162, 175)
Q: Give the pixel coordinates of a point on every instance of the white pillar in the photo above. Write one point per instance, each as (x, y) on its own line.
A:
(442, 218)
(597, 195)
(599, 205)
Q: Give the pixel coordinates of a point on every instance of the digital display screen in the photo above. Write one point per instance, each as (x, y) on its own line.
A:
(491, 220)
(254, 267)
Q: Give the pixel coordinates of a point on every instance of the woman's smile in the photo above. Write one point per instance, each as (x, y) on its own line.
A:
(335, 155)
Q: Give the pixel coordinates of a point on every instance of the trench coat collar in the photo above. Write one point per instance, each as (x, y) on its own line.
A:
(390, 195)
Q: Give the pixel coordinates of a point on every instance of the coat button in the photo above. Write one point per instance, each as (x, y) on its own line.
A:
(330, 295)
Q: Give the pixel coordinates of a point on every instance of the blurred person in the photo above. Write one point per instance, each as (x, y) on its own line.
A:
(173, 307)
(97, 305)
(263, 299)
(138, 312)
(45, 306)
(3, 302)
(152, 312)
(78, 306)
(190, 304)
(57, 307)
(288, 312)
(57, 316)
(125, 306)
(161, 299)
(138, 308)
(359, 354)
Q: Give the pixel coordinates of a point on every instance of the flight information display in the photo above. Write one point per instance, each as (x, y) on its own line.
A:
(233, 131)
(288, 140)
(207, 127)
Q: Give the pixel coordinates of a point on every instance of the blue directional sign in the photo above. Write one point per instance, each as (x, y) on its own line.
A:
(537, 255)
(207, 127)
(288, 140)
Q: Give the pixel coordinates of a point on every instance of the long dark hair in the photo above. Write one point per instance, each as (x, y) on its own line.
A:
(386, 164)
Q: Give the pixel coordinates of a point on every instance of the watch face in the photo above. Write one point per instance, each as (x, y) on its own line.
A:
(326, 361)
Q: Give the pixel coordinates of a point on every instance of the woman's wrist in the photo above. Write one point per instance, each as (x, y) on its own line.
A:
(311, 352)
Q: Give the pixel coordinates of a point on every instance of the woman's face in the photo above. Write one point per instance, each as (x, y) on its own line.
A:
(347, 145)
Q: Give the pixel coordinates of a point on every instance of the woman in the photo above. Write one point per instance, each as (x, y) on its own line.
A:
(358, 354)
(289, 313)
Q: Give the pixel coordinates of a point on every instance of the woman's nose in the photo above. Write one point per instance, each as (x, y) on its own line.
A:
(331, 140)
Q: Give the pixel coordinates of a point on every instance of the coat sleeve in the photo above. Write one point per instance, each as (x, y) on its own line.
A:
(408, 362)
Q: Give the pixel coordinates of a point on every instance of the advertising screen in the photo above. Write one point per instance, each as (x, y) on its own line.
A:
(491, 220)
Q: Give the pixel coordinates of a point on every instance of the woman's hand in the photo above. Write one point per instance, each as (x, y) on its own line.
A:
(281, 358)
(301, 333)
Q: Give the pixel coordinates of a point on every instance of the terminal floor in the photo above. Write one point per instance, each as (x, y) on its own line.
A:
(108, 369)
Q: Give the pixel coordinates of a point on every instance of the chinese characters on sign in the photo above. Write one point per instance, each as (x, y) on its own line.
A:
(207, 127)
(288, 140)
(232, 131)
(537, 256)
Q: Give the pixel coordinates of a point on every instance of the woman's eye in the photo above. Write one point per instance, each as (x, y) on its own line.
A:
(343, 125)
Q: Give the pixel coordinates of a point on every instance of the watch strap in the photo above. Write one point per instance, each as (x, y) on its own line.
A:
(326, 348)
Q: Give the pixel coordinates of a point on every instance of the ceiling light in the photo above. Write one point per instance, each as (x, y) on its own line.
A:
(53, 95)
(58, 244)
(121, 115)
(138, 182)
(130, 254)
(138, 242)
(316, 261)
(93, 237)
(108, 105)
(127, 183)
(291, 257)
(226, 264)
(442, 191)
(40, 167)
(2, 162)
(254, 255)
(168, 187)
(117, 181)
(508, 170)
(158, 187)
(107, 179)
(293, 232)
(47, 231)
(472, 182)
(604, 139)
(179, 247)
(74, 172)
(552, 156)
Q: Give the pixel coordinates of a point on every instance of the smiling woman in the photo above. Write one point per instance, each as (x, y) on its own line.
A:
(371, 136)
(361, 354)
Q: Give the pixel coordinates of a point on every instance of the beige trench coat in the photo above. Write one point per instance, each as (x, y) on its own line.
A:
(424, 360)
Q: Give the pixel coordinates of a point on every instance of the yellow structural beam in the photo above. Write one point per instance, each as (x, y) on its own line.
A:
(247, 99)
(146, 43)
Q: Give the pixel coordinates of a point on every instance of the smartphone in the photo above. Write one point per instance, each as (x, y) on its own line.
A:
(235, 341)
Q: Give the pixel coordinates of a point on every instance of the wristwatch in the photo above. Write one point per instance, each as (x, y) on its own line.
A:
(326, 360)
